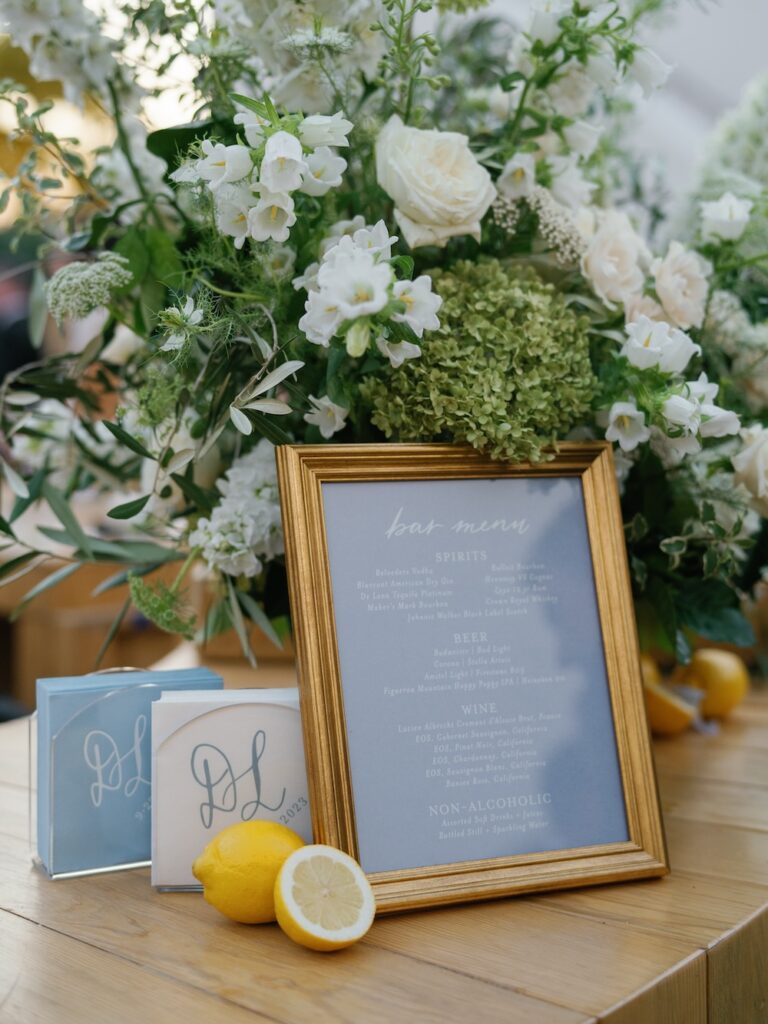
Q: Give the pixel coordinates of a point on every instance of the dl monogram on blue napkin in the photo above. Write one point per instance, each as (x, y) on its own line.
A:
(93, 766)
(219, 759)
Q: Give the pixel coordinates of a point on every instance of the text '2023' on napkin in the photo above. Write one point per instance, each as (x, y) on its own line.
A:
(93, 766)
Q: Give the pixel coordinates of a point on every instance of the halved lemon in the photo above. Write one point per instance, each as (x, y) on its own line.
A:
(322, 898)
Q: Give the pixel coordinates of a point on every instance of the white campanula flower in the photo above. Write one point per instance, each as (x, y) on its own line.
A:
(355, 282)
(649, 70)
(283, 165)
(321, 130)
(571, 92)
(421, 304)
(652, 343)
(438, 187)
(582, 137)
(324, 169)
(233, 203)
(615, 259)
(627, 426)
(272, 217)
(327, 416)
(220, 163)
(253, 127)
(397, 352)
(544, 25)
(308, 279)
(681, 285)
(601, 66)
(751, 466)
(358, 337)
(338, 230)
(569, 186)
(518, 176)
(376, 240)
(693, 411)
(279, 262)
(321, 318)
(672, 450)
(184, 321)
(725, 219)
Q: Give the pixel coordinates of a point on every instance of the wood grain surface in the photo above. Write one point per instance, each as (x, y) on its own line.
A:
(690, 948)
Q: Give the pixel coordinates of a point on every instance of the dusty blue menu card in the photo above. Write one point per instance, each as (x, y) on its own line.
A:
(93, 766)
(475, 691)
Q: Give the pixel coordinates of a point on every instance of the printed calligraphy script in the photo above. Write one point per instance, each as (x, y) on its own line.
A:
(224, 789)
(115, 772)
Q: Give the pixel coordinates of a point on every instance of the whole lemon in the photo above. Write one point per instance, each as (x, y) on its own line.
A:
(722, 676)
(238, 868)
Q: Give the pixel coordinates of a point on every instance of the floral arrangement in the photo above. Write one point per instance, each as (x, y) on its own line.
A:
(384, 222)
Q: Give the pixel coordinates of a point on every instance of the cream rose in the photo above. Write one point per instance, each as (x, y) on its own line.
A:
(439, 188)
(615, 257)
(751, 465)
(681, 285)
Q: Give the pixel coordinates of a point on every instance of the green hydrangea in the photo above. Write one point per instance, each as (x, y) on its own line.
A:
(508, 371)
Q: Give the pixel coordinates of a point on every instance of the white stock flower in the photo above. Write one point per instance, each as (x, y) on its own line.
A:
(751, 466)
(283, 165)
(397, 352)
(725, 218)
(613, 262)
(626, 425)
(321, 130)
(652, 343)
(582, 137)
(681, 285)
(272, 217)
(328, 417)
(518, 176)
(649, 70)
(252, 125)
(324, 169)
(220, 163)
(569, 186)
(421, 305)
(438, 187)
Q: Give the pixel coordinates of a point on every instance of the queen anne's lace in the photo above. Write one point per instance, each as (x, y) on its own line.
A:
(79, 288)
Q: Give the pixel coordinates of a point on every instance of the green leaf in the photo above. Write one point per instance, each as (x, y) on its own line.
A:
(164, 260)
(269, 429)
(50, 581)
(130, 552)
(255, 105)
(5, 527)
(34, 486)
(121, 578)
(129, 509)
(201, 499)
(8, 568)
(37, 315)
(112, 632)
(239, 623)
(128, 440)
(133, 247)
(509, 81)
(168, 143)
(258, 616)
(710, 609)
(15, 482)
(67, 518)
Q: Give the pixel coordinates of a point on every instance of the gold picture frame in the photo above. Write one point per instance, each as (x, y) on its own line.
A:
(303, 470)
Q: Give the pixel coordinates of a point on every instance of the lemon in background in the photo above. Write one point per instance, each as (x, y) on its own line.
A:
(723, 677)
(239, 866)
(323, 899)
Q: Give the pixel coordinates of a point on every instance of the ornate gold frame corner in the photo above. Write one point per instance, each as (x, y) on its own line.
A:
(302, 471)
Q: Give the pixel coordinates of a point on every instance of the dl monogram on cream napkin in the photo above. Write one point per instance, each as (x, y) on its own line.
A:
(218, 759)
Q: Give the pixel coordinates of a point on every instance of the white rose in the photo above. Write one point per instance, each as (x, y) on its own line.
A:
(438, 187)
(725, 219)
(642, 305)
(681, 284)
(751, 465)
(613, 262)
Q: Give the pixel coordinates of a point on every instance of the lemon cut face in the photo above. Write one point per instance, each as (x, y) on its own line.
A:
(323, 899)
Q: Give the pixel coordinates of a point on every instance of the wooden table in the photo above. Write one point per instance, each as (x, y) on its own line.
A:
(687, 949)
